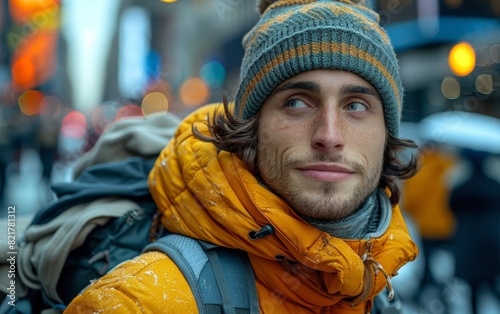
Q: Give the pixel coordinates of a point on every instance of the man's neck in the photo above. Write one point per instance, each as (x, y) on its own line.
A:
(355, 226)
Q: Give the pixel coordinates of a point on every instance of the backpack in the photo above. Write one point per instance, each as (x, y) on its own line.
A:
(99, 220)
(121, 229)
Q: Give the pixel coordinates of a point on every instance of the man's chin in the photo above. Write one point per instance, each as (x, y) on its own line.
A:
(327, 203)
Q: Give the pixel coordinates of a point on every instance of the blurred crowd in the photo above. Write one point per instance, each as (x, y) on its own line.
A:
(26, 141)
(453, 205)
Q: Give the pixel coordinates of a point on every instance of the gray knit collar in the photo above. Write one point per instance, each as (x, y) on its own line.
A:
(370, 220)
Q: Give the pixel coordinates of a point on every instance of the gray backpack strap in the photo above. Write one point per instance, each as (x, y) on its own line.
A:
(221, 279)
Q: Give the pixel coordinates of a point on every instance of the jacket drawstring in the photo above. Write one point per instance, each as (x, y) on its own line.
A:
(371, 263)
(378, 267)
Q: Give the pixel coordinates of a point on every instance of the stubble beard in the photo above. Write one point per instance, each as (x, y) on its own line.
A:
(327, 204)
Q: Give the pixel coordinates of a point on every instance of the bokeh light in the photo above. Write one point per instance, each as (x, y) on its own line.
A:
(462, 59)
(494, 53)
(30, 102)
(450, 88)
(23, 72)
(154, 102)
(74, 125)
(194, 92)
(39, 11)
(33, 60)
(128, 111)
(213, 73)
(484, 84)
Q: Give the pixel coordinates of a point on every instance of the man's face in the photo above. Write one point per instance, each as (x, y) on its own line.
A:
(321, 142)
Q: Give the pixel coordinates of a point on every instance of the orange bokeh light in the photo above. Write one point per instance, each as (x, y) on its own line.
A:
(154, 102)
(462, 59)
(33, 40)
(23, 72)
(30, 102)
(23, 10)
(194, 92)
(34, 61)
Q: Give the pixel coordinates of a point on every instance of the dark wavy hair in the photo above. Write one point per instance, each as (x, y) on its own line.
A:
(229, 133)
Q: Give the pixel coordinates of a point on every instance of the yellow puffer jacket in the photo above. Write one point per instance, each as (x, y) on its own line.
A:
(210, 195)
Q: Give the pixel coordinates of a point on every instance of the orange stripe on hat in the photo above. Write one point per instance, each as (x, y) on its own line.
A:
(317, 48)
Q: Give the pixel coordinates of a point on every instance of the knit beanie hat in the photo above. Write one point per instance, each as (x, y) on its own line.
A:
(295, 36)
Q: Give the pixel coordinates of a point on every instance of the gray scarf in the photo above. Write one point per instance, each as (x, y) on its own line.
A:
(370, 220)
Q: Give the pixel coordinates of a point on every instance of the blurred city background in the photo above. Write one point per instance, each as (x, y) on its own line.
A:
(70, 68)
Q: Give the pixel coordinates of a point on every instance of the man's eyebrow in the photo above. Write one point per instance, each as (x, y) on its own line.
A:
(304, 85)
(357, 89)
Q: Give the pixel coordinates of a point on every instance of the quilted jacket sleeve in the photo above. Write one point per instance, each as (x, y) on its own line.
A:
(150, 283)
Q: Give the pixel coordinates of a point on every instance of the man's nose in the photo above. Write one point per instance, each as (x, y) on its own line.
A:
(328, 131)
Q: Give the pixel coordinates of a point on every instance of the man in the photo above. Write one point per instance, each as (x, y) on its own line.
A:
(301, 172)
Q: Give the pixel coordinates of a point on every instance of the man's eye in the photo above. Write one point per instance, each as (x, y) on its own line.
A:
(357, 106)
(295, 103)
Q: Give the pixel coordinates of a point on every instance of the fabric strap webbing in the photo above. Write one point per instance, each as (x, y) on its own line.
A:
(221, 279)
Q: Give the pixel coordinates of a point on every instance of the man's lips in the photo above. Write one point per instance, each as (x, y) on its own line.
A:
(326, 172)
